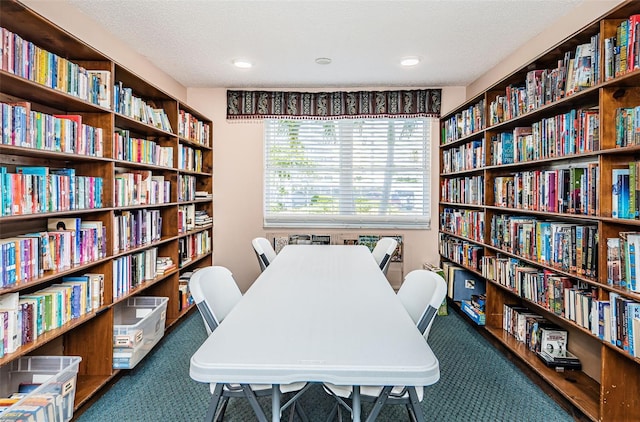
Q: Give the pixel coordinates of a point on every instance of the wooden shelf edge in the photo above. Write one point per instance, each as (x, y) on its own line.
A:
(88, 385)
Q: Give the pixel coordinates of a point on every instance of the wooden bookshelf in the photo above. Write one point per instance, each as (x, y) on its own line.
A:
(604, 390)
(91, 335)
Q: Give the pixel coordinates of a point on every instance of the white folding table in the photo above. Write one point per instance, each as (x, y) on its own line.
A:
(318, 314)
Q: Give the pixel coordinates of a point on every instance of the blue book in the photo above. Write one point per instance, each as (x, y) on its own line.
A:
(507, 147)
(618, 194)
(86, 290)
(633, 311)
(4, 192)
(465, 284)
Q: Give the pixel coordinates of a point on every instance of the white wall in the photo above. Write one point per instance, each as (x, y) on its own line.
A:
(238, 164)
(587, 12)
(93, 34)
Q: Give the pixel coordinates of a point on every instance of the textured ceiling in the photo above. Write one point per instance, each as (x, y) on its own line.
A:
(195, 40)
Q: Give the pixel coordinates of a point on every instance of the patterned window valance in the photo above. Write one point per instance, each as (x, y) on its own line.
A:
(333, 105)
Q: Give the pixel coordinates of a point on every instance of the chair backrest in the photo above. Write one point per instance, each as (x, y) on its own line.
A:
(422, 293)
(215, 293)
(383, 252)
(264, 251)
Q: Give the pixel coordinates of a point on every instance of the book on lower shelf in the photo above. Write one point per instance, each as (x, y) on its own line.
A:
(476, 313)
(568, 361)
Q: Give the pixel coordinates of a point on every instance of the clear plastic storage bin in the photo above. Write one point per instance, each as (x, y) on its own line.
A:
(138, 326)
(44, 385)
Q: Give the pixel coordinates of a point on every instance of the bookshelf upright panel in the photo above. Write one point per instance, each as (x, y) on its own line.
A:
(561, 198)
(92, 194)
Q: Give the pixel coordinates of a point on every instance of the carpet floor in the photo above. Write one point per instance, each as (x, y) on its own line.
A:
(477, 383)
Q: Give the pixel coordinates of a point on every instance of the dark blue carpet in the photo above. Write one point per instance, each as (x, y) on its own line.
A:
(477, 383)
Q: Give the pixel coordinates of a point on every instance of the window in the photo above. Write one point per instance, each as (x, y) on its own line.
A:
(347, 173)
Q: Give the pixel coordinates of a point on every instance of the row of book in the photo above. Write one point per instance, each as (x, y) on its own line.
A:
(187, 187)
(140, 187)
(619, 322)
(574, 72)
(558, 293)
(464, 123)
(67, 242)
(574, 132)
(27, 60)
(190, 218)
(140, 150)
(193, 129)
(566, 246)
(623, 260)
(625, 191)
(461, 251)
(463, 190)
(622, 51)
(130, 271)
(136, 228)
(571, 190)
(189, 158)
(610, 319)
(467, 156)
(627, 126)
(34, 189)
(138, 109)
(548, 341)
(28, 128)
(461, 222)
(192, 246)
(24, 318)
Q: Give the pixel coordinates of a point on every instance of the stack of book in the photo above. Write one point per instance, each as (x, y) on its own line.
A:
(202, 218)
(553, 349)
(164, 264)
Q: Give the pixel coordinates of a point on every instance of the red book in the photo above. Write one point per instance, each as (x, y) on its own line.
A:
(632, 48)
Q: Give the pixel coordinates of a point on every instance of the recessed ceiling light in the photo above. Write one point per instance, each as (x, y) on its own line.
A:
(409, 61)
(323, 60)
(242, 63)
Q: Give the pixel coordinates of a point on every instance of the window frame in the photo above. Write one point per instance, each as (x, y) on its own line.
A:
(355, 221)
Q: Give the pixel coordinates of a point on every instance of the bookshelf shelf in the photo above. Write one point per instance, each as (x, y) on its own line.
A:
(546, 230)
(59, 144)
(574, 385)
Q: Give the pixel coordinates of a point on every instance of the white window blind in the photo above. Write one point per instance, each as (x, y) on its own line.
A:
(351, 173)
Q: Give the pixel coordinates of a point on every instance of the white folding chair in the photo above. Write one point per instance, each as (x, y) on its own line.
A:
(421, 293)
(384, 250)
(264, 251)
(215, 293)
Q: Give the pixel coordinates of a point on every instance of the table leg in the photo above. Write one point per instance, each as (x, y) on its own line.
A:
(275, 403)
(355, 399)
(215, 399)
(415, 403)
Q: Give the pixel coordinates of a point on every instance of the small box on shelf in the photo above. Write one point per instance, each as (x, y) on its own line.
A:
(43, 387)
(138, 326)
